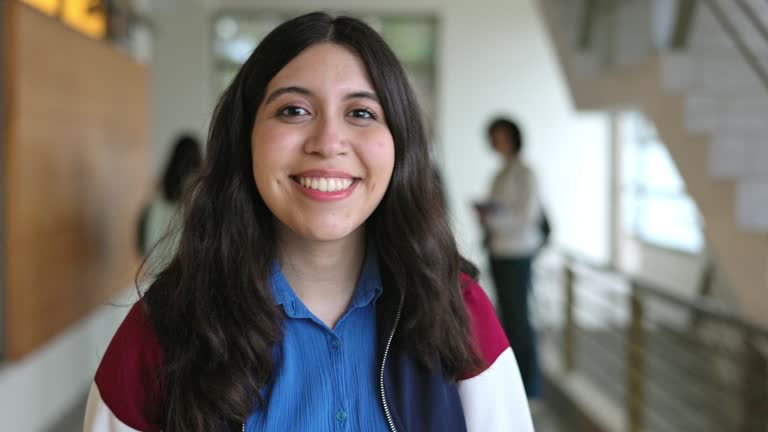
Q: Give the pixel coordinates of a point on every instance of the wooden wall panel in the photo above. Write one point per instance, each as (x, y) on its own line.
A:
(77, 162)
(5, 30)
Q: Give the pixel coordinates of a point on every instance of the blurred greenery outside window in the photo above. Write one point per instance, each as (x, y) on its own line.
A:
(412, 38)
(656, 207)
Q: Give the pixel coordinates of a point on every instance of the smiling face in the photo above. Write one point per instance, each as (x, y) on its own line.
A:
(322, 152)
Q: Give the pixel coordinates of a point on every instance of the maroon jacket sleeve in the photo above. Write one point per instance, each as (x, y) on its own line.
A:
(128, 376)
(487, 334)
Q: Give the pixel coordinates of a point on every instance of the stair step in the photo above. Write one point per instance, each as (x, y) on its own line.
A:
(724, 97)
(752, 205)
(716, 76)
(739, 156)
(727, 157)
(707, 114)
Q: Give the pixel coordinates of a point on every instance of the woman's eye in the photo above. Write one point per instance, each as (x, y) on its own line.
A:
(363, 114)
(293, 111)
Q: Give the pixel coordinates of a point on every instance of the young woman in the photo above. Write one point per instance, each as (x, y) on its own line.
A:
(156, 229)
(317, 285)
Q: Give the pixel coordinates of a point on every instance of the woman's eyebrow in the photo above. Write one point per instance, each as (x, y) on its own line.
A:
(306, 92)
(283, 90)
(362, 94)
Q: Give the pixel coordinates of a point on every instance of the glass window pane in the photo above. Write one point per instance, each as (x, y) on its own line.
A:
(661, 173)
(630, 166)
(655, 205)
(412, 39)
(668, 222)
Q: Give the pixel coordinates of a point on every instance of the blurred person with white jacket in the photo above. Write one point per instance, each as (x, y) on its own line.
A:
(512, 219)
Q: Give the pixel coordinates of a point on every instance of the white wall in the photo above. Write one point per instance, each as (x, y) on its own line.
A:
(494, 58)
(181, 73)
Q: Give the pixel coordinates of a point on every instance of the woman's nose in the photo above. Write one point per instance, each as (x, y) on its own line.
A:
(327, 138)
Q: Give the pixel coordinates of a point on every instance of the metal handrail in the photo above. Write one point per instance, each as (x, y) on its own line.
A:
(739, 41)
(703, 306)
(655, 358)
(749, 11)
(749, 364)
(656, 388)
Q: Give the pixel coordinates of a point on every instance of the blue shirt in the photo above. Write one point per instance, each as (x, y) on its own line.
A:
(325, 380)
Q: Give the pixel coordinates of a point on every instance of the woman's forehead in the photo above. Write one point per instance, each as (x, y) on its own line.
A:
(325, 66)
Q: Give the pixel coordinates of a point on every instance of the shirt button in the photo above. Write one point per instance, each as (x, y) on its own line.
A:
(341, 415)
(335, 343)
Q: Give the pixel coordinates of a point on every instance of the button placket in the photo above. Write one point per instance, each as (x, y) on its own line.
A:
(335, 344)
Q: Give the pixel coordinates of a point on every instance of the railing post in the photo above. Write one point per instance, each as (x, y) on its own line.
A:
(754, 387)
(569, 330)
(635, 372)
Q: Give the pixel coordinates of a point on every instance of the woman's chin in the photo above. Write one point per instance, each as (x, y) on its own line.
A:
(327, 233)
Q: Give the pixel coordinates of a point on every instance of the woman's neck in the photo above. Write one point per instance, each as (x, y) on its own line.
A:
(323, 274)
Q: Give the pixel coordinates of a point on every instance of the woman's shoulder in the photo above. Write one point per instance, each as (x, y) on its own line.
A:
(487, 333)
(127, 384)
(493, 398)
(135, 342)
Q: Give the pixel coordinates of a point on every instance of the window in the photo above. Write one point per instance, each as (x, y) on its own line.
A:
(655, 205)
(412, 38)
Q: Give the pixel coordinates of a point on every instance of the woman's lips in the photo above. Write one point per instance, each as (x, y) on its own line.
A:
(325, 185)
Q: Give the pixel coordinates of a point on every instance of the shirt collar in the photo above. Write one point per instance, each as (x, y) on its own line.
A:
(367, 290)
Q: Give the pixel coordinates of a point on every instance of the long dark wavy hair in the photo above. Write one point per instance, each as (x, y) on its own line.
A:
(212, 307)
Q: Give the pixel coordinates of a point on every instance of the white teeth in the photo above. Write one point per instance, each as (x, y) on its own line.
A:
(324, 184)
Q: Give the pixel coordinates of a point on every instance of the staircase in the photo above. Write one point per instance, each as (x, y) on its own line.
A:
(699, 70)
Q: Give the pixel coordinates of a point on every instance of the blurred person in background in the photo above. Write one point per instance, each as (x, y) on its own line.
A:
(158, 231)
(317, 284)
(514, 226)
